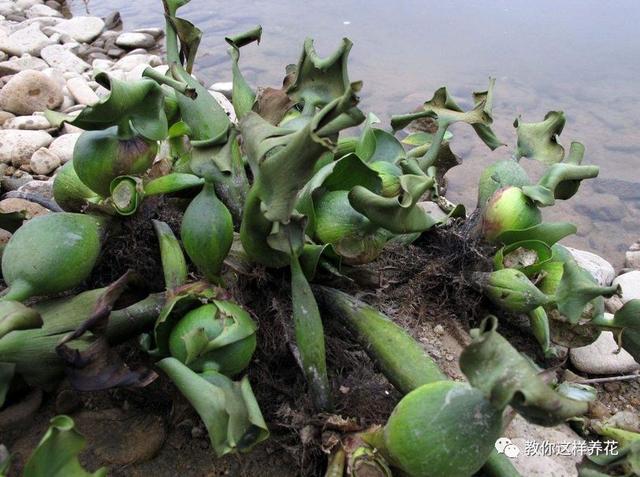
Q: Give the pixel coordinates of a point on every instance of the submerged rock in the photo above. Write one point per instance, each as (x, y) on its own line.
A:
(30, 91)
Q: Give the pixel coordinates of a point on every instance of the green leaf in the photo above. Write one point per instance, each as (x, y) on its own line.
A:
(577, 288)
(547, 232)
(7, 371)
(528, 256)
(16, 316)
(174, 264)
(378, 145)
(444, 109)
(170, 183)
(422, 138)
(282, 160)
(561, 180)
(228, 409)
(309, 337)
(140, 101)
(320, 81)
(492, 365)
(57, 453)
(399, 214)
(179, 302)
(242, 94)
(539, 141)
(343, 174)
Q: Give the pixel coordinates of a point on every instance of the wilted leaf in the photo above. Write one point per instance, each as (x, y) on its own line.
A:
(243, 96)
(57, 453)
(228, 409)
(492, 365)
(98, 366)
(539, 141)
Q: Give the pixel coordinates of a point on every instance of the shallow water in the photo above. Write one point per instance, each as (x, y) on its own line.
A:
(582, 57)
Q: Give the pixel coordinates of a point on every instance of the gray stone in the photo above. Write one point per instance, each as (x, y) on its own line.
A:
(129, 62)
(30, 91)
(224, 87)
(14, 183)
(154, 32)
(130, 41)
(17, 147)
(26, 62)
(225, 104)
(102, 64)
(530, 465)
(62, 146)
(44, 161)
(630, 284)
(32, 123)
(57, 56)
(4, 116)
(598, 267)
(27, 40)
(81, 91)
(600, 357)
(26, 4)
(433, 210)
(115, 52)
(8, 8)
(31, 209)
(82, 29)
(41, 188)
(42, 11)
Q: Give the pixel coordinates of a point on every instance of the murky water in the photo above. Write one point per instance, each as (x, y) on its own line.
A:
(579, 56)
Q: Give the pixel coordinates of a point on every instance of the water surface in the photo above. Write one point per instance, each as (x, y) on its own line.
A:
(578, 56)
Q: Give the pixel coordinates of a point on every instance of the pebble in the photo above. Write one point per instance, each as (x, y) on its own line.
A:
(530, 465)
(62, 146)
(16, 65)
(224, 87)
(60, 57)
(630, 284)
(601, 270)
(129, 62)
(38, 187)
(44, 162)
(600, 357)
(82, 29)
(17, 147)
(32, 123)
(225, 104)
(132, 40)
(4, 116)
(30, 91)
(26, 40)
(42, 11)
(632, 256)
(31, 209)
(81, 91)
(154, 32)
(14, 182)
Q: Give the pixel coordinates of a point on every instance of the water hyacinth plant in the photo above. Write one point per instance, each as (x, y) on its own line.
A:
(306, 190)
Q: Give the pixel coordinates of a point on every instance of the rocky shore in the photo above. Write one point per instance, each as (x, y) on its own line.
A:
(48, 61)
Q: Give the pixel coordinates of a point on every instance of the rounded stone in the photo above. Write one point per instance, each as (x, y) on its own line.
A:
(30, 91)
